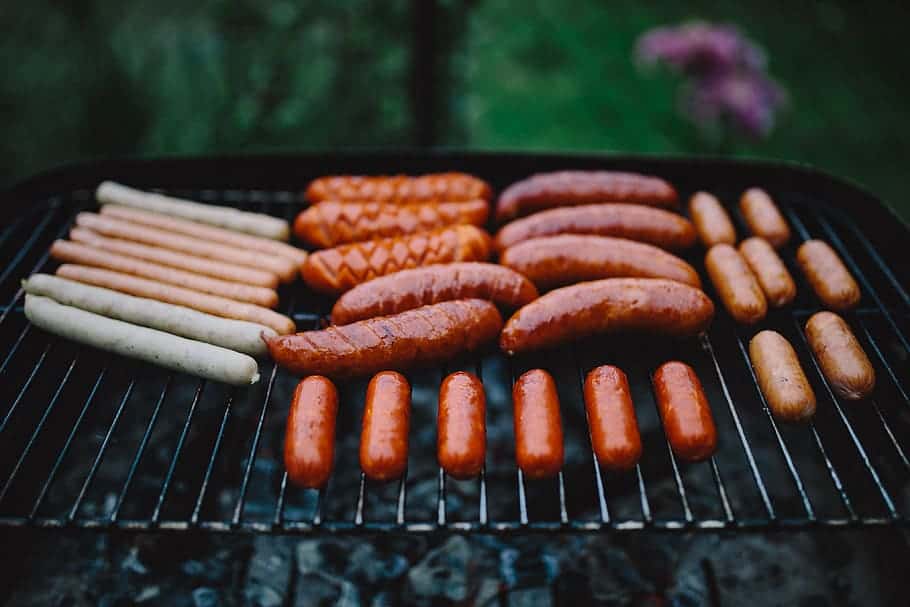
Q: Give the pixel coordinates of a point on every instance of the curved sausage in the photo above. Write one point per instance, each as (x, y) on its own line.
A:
(411, 289)
(399, 189)
(648, 305)
(772, 275)
(636, 222)
(330, 223)
(334, 271)
(840, 356)
(461, 425)
(736, 286)
(556, 261)
(309, 442)
(763, 217)
(567, 188)
(712, 223)
(539, 449)
(685, 412)
(611, 418)
(827, 275)
(423, 336)
(386, 423)
(781, 378)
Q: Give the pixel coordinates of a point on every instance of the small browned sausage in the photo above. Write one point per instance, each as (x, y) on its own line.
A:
(309, 443)
(781, 378)
(399, 189)
(769, 270)
(386, 423)
(538, 425)
(735, 284)
(611, 418)
(763, 217)
(827, 275)
(712, 223)
(685, 412)
(840, 356)
(461, 425)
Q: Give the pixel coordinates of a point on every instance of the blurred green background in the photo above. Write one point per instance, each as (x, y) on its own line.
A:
(100, 78)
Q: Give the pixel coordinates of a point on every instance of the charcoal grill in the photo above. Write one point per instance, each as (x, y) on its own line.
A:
(78, 432)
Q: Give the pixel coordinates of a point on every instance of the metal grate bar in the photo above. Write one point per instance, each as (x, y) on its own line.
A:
(881, 357)
(643, 496)
(278, 519)
(216, 449)
(598, 477)
(563, 513)
(832, 472)
(680, 486)
(29, 243)
(483, 515)
(402, 498)
(358, 513)
(441, 499)
(887, 428)
(25, 386)
(721, 491)
(880, 262)
(522, 499)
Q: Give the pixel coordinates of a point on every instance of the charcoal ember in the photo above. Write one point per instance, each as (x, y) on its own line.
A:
(268, 576)
(206, 597)
(530, 597)
(318, 589)
(147, 594)
(369, 566)
(528, 565)
(443, 574)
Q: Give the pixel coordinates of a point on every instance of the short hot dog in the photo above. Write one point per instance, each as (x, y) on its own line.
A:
(781, 378)
(827, 275)
(735, 284)
(712, 223)
(763, 217)
(400, 189)
(309, 443)
(685, 412)
(386, 423)
(770, 271)
(461, 425)
(539, 449)
(611, 418)
(840, 356)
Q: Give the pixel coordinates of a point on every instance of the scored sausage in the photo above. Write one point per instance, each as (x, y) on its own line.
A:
(386, 423)
(781, 378)
(401, 189)
(763, 217)
(423, 336)
(567, 188)
(840, 356)
(712, 223)
(772, 275)
(556, 261)
(461, 425)
(611, 418)
(334, 271)
(636, 222)
(648, 305)
(539, 449)
(827, 275)
(330, 223)
(417, 287)
(309, 442)
(685, 412)
(735, 284)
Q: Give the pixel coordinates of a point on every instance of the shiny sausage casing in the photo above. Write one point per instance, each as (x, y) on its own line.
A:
(840, 356)
(763, 217)
(422, 336)
(556, 261)
(712, 223)
(661, 228)
(611, 418)
(334, 271)
(770, 271)
(539, 447)
(309, 443)
(685, 412)
(461, 425)
(780, 377)
(411, 289)
(566, 188)
(827, 275)
(331, 223)
(400, 189)
(648, 305)
(386, 423)
(735, 284)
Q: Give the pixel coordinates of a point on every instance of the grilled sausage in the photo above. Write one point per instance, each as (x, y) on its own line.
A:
(685, 412)
(735, 284)
(772, 275)
(781, 378)
(763, 217)
(399, 189)
(568, 188)
(309, 443)
(647, 305)
(712, 223)
(423, 336)
(539, 449)
(827, 275)
(636, 222)
(411, 289)
(611, 418)
(330, 223)
(555, 261)
(840, 356)
(461, 425)
(386, 422)
(334, 271)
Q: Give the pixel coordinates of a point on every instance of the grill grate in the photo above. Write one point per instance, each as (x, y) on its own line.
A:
(90, 441)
